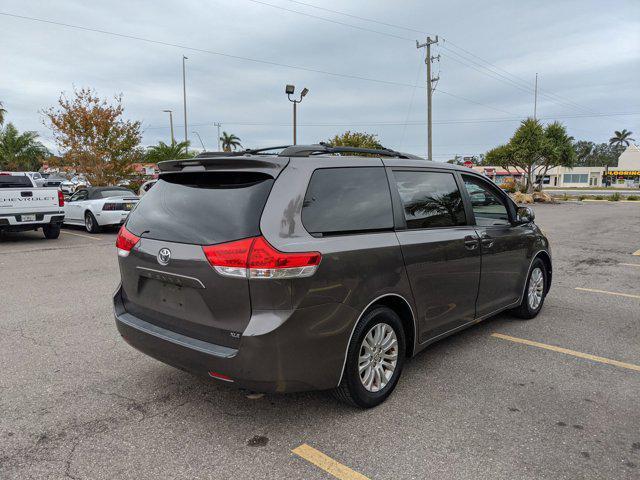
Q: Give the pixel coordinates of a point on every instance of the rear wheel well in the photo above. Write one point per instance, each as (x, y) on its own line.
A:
(401, 307)
(546, 259)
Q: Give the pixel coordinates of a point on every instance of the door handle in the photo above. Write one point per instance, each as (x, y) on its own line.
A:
(487, 241)
(471, 242)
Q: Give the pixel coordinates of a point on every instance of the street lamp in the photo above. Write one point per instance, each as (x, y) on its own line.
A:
(289, 90)
(184, 100)
(170, 112)
(200, 138)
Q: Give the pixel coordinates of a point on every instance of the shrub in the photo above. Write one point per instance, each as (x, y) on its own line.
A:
(615, 197)
(565, 197)
(599, 197)
(509, 185)
(582, 197)
(633, 198)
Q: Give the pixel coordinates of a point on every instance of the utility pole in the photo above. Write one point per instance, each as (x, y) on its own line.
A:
(170, 112)
(216, 124)
(430, 87)
(535, 100)
(184, 99)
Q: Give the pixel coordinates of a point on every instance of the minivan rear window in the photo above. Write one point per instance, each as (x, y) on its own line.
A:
(202, 208)
(347, 199)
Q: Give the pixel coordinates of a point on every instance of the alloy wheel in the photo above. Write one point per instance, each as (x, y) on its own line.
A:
(536, 288)
(378, 357)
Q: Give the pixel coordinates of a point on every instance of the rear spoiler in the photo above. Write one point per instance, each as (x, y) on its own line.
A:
(271, 165)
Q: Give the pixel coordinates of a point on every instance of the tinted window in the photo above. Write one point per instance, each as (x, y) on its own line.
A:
(430, 199)
(488, 207)
(202, 207)
(15, 181)
(347, 200)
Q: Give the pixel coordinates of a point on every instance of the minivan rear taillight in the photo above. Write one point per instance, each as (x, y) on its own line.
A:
(125, 242)
(256, 258)
(60, 198)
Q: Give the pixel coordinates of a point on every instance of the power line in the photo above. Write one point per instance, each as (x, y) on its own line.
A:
(239, 57)
(329, 20)
(521, 82)
(210, 52)
(403, 123)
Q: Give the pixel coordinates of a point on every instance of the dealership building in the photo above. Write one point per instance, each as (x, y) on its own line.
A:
(625, 175)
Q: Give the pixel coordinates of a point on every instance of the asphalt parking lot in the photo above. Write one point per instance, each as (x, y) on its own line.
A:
(77, 402)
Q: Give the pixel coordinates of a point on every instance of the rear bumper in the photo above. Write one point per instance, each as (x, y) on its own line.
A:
(15, 221)
(289, 351)
(106, 217)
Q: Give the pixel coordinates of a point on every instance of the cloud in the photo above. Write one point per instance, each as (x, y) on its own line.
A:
(586, 52)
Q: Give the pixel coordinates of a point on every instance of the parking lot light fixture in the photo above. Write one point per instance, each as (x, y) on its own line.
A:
(289, 90)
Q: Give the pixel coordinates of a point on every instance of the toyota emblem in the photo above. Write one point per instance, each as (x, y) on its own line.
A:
(164, 255)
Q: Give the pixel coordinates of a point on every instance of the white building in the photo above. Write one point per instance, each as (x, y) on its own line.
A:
(625, 175)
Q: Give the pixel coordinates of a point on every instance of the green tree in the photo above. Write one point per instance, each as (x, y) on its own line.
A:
(355, 139)
(230, 141)
(93, 137)
(162, 151)
(621, 139)
(534, 149)
(20, 151)
(589, 154)
(3, 113)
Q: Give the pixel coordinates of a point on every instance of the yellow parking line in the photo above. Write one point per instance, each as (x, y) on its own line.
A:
(636, 253)
(566, 351)
(594, 290)
(631, 264)
(80, 235)
(327, 464)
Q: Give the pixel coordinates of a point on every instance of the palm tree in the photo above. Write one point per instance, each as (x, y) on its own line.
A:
(621, 139)
(20, 151)
(163, 151)
(229, 141)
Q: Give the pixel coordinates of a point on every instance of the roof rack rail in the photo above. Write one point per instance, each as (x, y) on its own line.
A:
(239, 153)
(323, 148)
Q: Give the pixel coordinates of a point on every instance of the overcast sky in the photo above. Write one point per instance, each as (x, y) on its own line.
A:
(587, 54)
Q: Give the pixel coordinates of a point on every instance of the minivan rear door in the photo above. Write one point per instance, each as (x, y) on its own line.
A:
(440, 249)
(166, 279)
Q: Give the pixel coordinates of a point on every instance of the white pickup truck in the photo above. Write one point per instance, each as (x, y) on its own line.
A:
(23, 206)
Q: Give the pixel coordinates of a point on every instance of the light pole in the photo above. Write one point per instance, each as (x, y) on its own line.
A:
(200, 138)
(216, 124)
(170, 112)
(289, 90)
(184, 99)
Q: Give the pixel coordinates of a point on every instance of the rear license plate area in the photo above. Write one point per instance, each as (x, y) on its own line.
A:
(172, 296)
(27, 218)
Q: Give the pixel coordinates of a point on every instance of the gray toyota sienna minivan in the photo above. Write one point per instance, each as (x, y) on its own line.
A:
(319, 267)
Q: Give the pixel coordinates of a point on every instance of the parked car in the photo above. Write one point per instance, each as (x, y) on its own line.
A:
(310, 271)
(146, 186)
(76, 182)
(97, 207)
(52, 180)
(23, 206)
(37, 178)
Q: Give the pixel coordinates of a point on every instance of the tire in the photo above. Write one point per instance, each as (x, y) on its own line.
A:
(90, 223)
(352, 389)
(51, 232)
(528, 308)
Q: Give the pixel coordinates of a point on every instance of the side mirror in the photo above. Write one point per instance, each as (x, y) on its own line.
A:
(525, 215)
